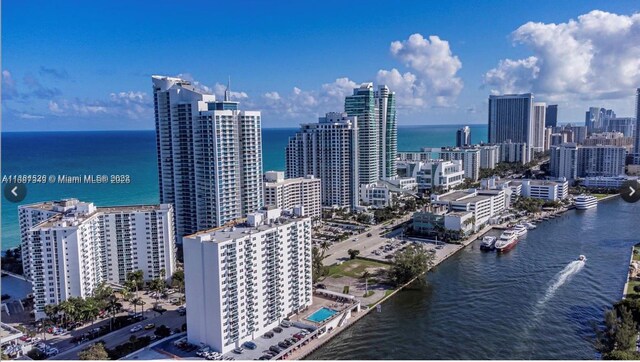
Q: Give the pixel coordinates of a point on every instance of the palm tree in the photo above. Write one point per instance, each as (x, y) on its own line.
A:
(366, 275)
(324, 246)
(157, 285)
(90, 311)
(68, 307)
(136, 302)
(113, 307)
(51, 311)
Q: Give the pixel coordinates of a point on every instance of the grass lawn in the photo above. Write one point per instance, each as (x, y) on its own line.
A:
(600, 196)
(632, 284)
(354, 268)
(636, 252)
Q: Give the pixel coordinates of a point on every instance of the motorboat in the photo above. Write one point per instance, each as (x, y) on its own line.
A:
(488, 243)
(582, 258)
(584, 202)
(507, 241)
(520, 229)
(530, 226)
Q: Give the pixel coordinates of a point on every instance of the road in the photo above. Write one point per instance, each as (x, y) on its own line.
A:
(339, 251)
(170, 319)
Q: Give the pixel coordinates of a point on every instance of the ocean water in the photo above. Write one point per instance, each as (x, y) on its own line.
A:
(134, 153)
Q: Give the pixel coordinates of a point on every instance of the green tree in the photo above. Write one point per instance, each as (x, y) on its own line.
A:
(353, 253)
(317, 267)
(162, 331)
(102, 292)
(90, 311)
(113, 307)
(158, 286)
(95, 352)
(136, 279)
(409, 263)
(627, 331)
(177, 280)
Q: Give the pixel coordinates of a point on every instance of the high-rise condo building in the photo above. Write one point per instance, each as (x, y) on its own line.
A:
(388, 130)
(209, 155)
(377, 131)
(288, 193)
(625, 125)
(511, 118)
(463, 137)
(551, 119)
(74, 246)
(328, 150)
(564, 161)
(362, 104)
(572, 161)
(243, 280)
(539, 116)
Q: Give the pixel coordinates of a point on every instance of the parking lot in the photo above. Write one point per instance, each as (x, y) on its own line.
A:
(263, 343)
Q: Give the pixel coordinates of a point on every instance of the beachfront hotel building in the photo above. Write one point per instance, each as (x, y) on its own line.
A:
(242, 280)
(511, 118)
(79, 246)
(551, 116)
(288, 193)
(328, 150)
(209, 155)
(571, 161)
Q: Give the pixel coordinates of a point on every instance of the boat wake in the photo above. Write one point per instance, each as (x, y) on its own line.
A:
(556, 282)
(559, 279)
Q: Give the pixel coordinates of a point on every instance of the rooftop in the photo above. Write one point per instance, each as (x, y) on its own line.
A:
(241, 228)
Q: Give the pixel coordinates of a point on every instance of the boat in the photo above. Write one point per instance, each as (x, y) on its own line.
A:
(582, 258)
(520, 229)
(530, 225)
(488, 243)
(584, 202)
(507, 241)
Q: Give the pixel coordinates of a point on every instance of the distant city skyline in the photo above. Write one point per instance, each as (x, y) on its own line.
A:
(70, 67)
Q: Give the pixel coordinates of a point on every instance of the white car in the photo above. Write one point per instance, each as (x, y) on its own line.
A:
(136, 329)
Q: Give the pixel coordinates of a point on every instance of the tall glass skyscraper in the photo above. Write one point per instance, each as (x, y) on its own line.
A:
(377, 131)
(209, 156)
(637, 144)
(362, 104)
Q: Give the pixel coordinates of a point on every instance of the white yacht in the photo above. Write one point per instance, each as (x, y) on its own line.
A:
(530, 225)
(488, 243)
(507, 241)
(584, 202)
(520, 230)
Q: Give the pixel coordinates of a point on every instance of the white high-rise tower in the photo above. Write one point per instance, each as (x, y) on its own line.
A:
(209, 156)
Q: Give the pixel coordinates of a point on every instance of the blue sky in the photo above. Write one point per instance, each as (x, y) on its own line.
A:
(77, 65)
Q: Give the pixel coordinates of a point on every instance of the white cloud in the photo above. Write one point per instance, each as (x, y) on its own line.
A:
(594, 57)
(30, 116)
(308, 104)
(9, 89)
(219, 89)
(131, 104)
(513, 76)
(433, 80)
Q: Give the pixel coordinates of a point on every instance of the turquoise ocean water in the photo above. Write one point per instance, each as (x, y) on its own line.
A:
(134, 153)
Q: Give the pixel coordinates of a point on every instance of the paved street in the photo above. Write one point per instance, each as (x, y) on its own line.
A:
(170, 318)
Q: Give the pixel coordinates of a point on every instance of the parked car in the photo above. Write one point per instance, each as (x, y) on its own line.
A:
(249, 345)
(283, 344)
(238, 350)
(285, 324)
(275, 348)
(268, 335)
(136, 329)
(277, 330)
(265, 357)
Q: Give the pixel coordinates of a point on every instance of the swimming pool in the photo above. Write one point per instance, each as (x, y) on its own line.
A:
(321, 315)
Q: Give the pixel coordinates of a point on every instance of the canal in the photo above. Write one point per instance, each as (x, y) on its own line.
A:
(535, 302)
